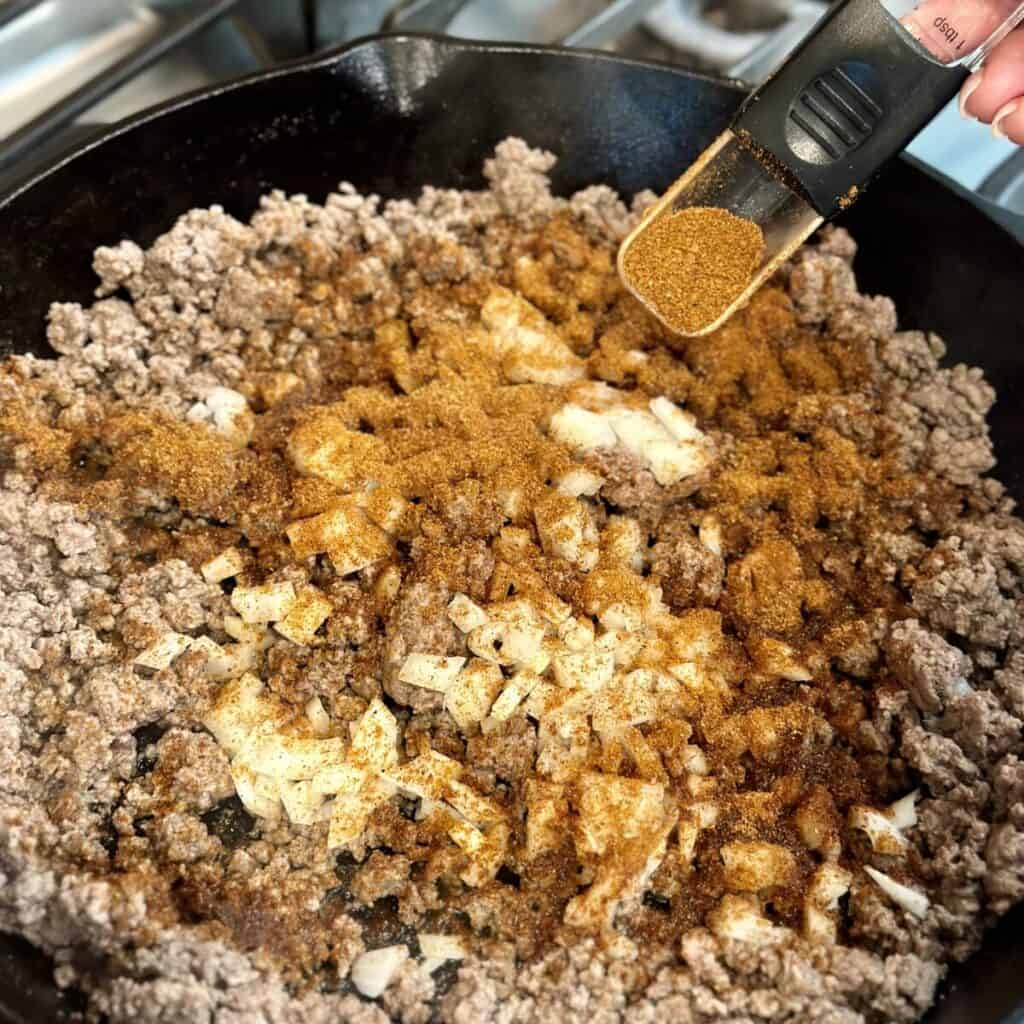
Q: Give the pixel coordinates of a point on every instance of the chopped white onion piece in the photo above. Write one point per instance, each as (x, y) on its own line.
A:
(307, 614)
(485, 851)
(829, 883)
(776, 657)
(590, 669)
(375, 969)
(522, 643)
(198, 412)
(613, 809)
(266, 602)
(206, 647)
(350, 813)
(694, 761)
(231, 661)
(426, 776)
(737, 918)
(911, 900)
(430, 671)
(545, 697)
(884, 835)
(301, 802)
(476, 809)
(259, 795)
(340, 778)
(579, 481)
(710, 534)
(465, 613)
(751, 866)
(904, 811)
(681, 425)
(291, 757)
(245, 632)
(241, 709)
(224, 566)
(227, 407)
(567, 531)
(470, 697)
(672, 461)
(387, 508)
(436, 946)
(619, 617)
(636, 429)
(318, 717)
(546, 813)
(576, 634)
(518, 689)
(582, 430)
(375, 738)
(163, 652)
(351, 540)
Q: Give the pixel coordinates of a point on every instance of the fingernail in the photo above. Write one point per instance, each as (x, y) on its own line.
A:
(967, 91)
(910, 25)
(1001, 115)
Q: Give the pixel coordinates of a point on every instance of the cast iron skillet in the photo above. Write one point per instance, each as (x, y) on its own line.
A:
(391, 114)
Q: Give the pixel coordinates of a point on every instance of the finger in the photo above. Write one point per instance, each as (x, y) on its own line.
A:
(952, 29)
(999, 82)
(1009, 121)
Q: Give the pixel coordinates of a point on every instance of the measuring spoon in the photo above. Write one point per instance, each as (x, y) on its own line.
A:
(803, 146)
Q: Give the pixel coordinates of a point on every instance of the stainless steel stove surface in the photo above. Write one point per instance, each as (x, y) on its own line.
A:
(68, 66)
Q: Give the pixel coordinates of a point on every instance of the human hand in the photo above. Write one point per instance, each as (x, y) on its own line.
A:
(953, 28)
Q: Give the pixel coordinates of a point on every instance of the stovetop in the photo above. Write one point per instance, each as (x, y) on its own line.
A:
(68, 66)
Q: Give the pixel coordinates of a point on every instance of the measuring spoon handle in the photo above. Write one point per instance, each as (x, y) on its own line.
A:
(848, 99)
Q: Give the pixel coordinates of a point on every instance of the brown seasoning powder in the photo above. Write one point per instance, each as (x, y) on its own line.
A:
(691, 265)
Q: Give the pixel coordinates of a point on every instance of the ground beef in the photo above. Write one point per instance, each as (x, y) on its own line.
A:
(191, 769)
(690, 574)
(866, 572)
(718, 983)
(1010, 682)
(408, 998)
(379, 877)
(630, 486)
(1004, 878)
(933, 671)
(961, 594)
(824, 291)
(418, 622)
(509, 752)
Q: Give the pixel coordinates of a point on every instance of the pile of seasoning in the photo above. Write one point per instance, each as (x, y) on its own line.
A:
(692, 264)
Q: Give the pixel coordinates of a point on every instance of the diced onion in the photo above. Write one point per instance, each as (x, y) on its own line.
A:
(374, 970)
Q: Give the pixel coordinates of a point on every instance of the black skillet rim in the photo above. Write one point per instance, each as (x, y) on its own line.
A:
(1010, 222)
(326, 59)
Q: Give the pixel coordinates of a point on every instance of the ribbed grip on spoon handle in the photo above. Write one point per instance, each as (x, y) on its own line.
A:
(850, 98)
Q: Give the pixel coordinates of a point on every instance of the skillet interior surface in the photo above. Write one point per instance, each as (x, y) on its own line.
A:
(391, 114)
